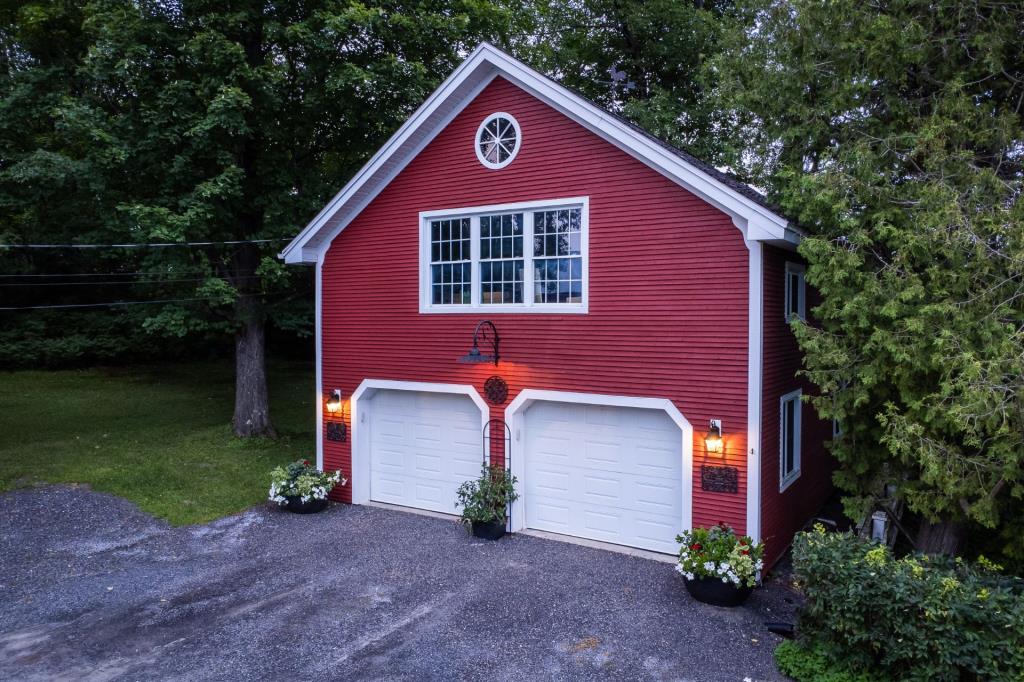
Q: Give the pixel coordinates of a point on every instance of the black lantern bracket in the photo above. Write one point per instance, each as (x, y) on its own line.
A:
(485, 333)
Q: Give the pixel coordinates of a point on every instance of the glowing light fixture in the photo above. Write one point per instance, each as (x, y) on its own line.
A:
(713, 439)
(334, 402)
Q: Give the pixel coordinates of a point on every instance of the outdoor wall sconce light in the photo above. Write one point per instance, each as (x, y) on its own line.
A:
(336, 431)
(713, 439)
(334, 402)
(485, 332)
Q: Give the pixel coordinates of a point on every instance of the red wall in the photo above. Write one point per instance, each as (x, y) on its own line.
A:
(782, 514)
(668, 286)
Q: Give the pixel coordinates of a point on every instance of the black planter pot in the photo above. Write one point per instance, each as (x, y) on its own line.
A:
(488, 530)
(713, 591)
(295, 504)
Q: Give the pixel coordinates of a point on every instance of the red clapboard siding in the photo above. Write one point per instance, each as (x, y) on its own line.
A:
(783, 514)
(668, 286)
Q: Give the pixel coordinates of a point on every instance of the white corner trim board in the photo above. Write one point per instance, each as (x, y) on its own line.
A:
(360, 436)
(485, 63)
(318, 315)
(755, 299)
(514, 417)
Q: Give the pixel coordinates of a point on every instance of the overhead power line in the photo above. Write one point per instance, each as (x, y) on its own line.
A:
(151, 273)
(120, 281)
(102, 305)
(138, 246)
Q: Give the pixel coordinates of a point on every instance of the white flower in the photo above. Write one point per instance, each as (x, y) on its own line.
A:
(709, 566)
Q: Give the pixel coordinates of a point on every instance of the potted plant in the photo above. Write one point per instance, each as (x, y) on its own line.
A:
(301, 488)
(718, 567)
(484, 500)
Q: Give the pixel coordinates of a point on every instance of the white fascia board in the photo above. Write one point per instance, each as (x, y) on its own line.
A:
(763, 223)
(486, 62)
(296, 252)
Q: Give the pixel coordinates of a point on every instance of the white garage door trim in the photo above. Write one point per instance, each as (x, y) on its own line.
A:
(361, 436)
(515, 417)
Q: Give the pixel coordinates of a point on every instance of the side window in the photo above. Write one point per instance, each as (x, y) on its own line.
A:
(789, 439)
(796, 294)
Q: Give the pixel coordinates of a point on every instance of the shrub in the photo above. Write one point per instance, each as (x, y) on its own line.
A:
(813, 665)
(303, 480)
(915, 618)
(717, 553)
(484, 500)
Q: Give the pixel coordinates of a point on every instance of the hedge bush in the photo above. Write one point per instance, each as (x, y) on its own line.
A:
(914, 618)
(814, 665)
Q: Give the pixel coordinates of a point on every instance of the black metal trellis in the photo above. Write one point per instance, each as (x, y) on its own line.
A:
(503, 437)
(497, 431)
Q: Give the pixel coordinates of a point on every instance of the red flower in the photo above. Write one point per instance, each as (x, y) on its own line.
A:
(745, 552)
(305, 462)
(695, 546)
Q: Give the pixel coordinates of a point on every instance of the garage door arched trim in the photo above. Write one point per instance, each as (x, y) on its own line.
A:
(360, 436)
(515, 413)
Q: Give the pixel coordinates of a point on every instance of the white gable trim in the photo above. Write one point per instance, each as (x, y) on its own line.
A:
(458, 90)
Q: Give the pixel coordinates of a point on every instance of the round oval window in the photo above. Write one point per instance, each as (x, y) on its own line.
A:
(497, 140)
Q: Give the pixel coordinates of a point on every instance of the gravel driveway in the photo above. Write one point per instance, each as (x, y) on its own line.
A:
(92, 588)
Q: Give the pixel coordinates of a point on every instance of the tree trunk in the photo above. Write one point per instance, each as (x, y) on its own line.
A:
(941, 537)
(252, 406)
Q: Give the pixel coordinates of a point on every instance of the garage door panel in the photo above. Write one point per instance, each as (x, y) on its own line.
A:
(618, 476)
(598, 415)
(428, 465)
(423, 446)
(427, 435)
(601, 454)
(602, 490)
(603, 520)
(552, 482)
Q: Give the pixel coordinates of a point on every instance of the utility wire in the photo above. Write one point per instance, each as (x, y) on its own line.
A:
(138, 246)
(101, 305)
(119, 281)
(152, 273)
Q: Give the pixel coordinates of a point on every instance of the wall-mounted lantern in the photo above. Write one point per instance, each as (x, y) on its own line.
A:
(713, 443)
(485, 332)
(336, 430)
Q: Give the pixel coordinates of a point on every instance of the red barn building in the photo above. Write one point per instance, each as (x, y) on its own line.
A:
(638, 295)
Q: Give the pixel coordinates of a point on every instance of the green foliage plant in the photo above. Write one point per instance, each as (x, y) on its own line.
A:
(484, 500)
(718, 553)
(892, 133)
(913, 618)
(303, 480)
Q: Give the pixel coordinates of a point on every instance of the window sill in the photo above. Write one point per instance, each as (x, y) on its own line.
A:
(789, 480)
(549, 309)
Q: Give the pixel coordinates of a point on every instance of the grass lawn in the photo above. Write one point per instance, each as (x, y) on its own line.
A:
(159, 436)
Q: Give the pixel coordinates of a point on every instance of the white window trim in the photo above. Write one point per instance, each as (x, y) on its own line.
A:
(786, 481)
(515, 150)
(801, 312)
(528, 305)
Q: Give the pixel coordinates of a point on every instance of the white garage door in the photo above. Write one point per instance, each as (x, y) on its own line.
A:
(606, 473)
(422, 447)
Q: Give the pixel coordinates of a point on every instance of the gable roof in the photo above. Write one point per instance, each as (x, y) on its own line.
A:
(750, 211)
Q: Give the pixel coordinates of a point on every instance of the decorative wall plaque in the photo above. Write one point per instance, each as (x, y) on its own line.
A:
(717, 479)
(496, 390)
(336, 432)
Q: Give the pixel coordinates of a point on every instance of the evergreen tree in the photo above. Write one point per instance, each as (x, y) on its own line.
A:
(893, 132)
